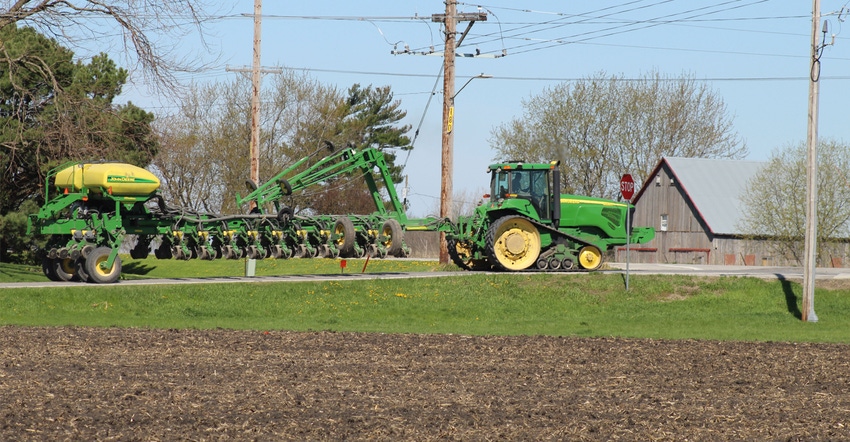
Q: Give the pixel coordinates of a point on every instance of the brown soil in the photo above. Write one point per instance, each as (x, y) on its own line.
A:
(120, 384)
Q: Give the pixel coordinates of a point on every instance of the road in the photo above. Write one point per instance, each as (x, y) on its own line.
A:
(789, 273)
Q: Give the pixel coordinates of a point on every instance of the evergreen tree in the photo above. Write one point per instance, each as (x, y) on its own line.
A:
(53, 111)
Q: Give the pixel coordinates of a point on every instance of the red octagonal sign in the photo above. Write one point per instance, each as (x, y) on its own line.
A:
(627, 186)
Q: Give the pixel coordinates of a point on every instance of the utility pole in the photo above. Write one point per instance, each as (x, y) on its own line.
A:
(255, 96)
(256, 70)
(448, 122)
(810, 254)
(450, 20)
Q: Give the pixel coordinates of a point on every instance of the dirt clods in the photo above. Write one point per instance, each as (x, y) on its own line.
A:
(140, 384)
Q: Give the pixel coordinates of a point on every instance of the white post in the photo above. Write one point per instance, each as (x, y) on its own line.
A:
(628, 239)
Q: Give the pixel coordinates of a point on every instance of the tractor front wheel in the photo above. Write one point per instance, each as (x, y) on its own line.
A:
(590, 258)
(460, 254)
(513, 243)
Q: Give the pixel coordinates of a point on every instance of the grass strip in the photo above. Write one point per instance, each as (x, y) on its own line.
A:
(663, 306)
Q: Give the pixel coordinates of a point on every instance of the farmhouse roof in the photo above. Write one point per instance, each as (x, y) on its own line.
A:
(714, 187)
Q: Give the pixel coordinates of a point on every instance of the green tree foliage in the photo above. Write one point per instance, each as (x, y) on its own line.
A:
(14, 242)
(205, 162)
(368, 119)
(775, 199)
(53, 110)
(602, 127)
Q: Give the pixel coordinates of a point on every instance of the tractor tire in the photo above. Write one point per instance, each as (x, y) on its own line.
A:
(590, 258)
(82, 275)
(513, 243)
(345, 236)
(459, 254)
(48, 266)
(98, 274)
(393, 236)
(66, 269)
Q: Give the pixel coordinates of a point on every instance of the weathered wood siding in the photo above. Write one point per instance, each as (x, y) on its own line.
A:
(685, 239)
(680, 235)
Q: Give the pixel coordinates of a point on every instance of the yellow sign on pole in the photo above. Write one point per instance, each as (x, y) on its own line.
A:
(451, 120)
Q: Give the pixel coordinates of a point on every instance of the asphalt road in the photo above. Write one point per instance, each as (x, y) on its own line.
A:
(789, 273)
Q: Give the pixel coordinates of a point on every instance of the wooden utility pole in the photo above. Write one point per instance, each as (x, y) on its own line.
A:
(255, 96)
(450, 20)
(811, 240)
(255, 70)
(448, 121)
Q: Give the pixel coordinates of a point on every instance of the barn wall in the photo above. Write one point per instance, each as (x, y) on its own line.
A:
(764, 252)
(685, 239)
(680, 235)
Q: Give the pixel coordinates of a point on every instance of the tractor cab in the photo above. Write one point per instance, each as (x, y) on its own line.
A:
(537, 183)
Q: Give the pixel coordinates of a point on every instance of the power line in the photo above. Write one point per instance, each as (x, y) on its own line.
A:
(565, 79)
(633, 26)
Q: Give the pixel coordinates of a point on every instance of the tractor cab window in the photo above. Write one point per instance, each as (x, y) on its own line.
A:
(521, 182)
(539, 184)
(532, 185)
(499, 185)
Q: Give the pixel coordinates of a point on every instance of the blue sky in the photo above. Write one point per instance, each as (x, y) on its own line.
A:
(753, 53)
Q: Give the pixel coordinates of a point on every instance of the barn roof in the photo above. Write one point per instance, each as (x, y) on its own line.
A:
(714, 186)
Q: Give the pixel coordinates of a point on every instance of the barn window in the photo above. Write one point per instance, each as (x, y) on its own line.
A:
(663, 223)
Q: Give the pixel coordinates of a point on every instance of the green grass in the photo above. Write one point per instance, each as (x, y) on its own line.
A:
(169, 268)
(20, 273)
(669, 307)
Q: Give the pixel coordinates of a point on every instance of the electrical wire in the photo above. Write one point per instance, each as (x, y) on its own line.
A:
(632, 27)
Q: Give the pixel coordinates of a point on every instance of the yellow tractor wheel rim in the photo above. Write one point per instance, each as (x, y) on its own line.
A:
(99, 266)
(388, 234)
(464, 252)
(68, 265)
(339, 231)
(589, 257)
(517, 244)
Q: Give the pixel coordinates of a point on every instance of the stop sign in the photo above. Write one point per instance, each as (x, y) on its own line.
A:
(627, 186)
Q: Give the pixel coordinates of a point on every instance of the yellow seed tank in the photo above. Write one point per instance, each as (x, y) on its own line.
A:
(119, 179)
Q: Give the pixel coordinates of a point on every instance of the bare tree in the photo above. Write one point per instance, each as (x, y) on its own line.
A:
(205, 156)
(208, 139)
(150, 31)
(204, 160)
(774, 203)
(464, 202)
(602, 127)
(189, 178)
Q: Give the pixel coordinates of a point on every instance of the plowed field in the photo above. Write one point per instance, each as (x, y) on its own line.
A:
(131, 384)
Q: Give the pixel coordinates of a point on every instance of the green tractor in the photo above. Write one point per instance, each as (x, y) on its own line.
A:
(528, 224)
